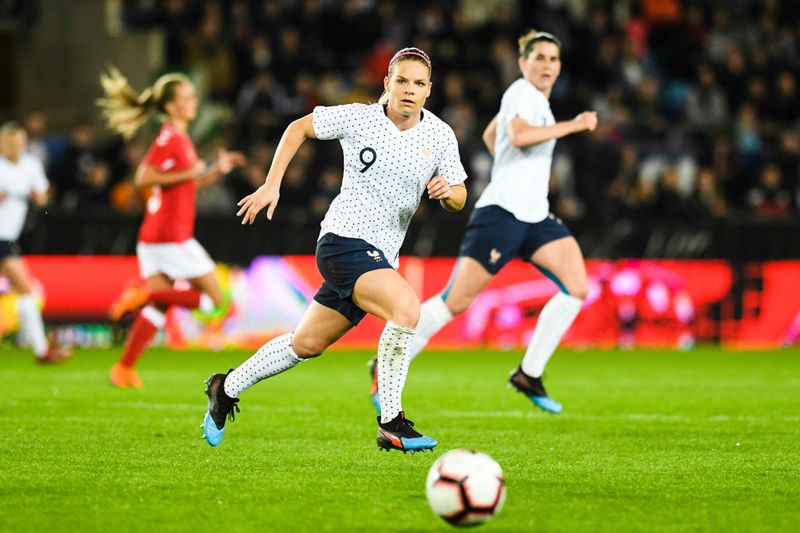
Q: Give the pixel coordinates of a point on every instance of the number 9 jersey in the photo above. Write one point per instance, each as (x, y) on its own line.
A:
(385, 171)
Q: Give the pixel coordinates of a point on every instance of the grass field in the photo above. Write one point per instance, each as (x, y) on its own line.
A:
(651, 441)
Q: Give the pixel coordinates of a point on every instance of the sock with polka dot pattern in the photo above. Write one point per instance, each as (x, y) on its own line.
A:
(392, 368)
(274, 357)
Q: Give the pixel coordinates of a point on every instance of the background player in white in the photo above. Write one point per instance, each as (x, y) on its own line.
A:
(22, 179)
(394, 151)
(512, 219)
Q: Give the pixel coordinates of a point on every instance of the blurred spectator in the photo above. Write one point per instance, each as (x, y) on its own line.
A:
(76, 162)
(706, 106)
(769, 198)
(38, 145)
(709, 196)
(211, 59)
(93, 195)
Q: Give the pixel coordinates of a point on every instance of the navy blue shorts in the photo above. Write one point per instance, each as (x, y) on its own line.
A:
(8, 249)
(341, 261)
(494, 237)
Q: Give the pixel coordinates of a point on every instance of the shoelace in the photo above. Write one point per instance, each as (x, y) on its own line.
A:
(234, 406)
(411, 426)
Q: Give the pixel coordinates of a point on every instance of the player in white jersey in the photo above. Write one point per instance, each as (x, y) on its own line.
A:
(394, 151)
(512, 218)
(22, 179)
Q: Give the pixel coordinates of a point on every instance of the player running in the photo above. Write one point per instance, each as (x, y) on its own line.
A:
(22, 178)
(394, 151)
(512, 219)
(166, 247)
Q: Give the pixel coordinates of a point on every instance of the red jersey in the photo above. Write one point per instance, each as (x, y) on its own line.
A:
(170, 209)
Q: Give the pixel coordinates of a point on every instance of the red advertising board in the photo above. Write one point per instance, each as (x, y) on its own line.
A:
(630, 303)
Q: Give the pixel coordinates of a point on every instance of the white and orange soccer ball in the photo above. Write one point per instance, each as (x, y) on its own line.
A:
(465, 488)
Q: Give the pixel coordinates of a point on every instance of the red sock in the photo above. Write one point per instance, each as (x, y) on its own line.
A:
(139, 339)
(188, 298)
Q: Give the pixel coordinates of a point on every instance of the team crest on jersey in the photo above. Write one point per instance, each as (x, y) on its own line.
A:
(375, 255)
(494, 256)
(427, 153)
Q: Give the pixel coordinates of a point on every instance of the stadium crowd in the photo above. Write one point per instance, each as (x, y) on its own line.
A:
(698, 101)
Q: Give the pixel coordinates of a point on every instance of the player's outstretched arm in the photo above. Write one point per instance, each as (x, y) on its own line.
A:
(522, 134)
(451, 197)
(267, 195)
(226, 161)
(147, 175)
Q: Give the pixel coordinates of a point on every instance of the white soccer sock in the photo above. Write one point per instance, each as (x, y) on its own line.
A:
(433, 316)
(556, 317)
(392, 368)
(271, 359)
(30, 319)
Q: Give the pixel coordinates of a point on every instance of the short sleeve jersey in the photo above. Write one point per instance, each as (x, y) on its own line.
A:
(18, 180)
(520, 176)
(170, 209)
(385, 171)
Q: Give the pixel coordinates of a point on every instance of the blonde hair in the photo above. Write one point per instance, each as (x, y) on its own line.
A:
(124, 110)
(531, 37)
(405, 54)
(12, 126)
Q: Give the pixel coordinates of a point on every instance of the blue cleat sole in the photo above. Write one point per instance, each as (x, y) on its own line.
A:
(211, 434)
(418, 444)
(545, 403)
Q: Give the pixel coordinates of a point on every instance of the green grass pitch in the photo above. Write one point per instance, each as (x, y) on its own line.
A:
(648, 441)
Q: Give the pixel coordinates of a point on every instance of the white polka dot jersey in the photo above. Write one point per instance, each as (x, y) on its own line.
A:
(385, 171)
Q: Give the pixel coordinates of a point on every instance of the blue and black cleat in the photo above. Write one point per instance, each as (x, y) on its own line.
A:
(220, 407)
(534, 390)
(399, 434)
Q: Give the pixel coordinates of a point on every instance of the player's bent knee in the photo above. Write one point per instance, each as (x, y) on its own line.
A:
(579, 291)
(407, 315)
(456, 305)
(308, 347)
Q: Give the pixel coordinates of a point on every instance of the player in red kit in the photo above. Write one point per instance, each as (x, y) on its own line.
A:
(166, 249)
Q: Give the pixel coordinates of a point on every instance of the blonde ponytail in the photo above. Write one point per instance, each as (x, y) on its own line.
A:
(124, 111)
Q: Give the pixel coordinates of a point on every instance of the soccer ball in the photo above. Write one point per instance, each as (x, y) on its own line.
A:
(465, 488)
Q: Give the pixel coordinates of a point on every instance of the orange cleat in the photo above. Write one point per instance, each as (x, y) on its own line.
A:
(54, 354)
(131, 299)
(124, 377)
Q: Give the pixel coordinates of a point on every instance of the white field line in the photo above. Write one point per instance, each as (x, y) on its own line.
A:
(632, 417)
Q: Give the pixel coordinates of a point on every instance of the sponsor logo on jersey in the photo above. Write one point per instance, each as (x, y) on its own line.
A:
(494, 256)
(375, 255)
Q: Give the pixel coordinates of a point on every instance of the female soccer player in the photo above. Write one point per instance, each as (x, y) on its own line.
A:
(512, 219)
(166, 248)
(22, 179)
(393, 152)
